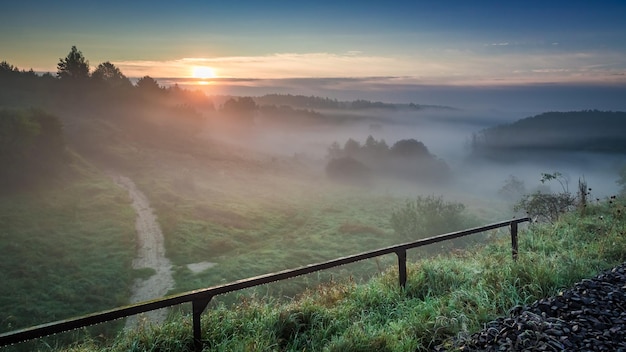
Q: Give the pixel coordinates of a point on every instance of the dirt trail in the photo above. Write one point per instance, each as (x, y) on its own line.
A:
(150, 254)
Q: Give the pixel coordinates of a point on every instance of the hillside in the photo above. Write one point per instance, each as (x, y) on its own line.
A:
(446, 297)
(217, 196)
(576, 131)
(225, 192)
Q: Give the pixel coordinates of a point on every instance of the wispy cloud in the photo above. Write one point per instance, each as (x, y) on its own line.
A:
(444, 67)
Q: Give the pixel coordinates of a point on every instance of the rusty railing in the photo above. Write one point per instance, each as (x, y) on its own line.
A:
(200, 298)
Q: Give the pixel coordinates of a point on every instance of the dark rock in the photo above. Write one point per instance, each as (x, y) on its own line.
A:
(591, 316)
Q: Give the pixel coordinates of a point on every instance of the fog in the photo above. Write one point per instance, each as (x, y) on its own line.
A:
(259, 183)
(447, 134)
(525, 99)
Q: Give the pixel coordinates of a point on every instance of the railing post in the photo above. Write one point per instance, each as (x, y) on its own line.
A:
(514, 240)
(198, 306)
(401, 253)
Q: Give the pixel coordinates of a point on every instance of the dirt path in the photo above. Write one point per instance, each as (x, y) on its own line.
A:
(150, 254)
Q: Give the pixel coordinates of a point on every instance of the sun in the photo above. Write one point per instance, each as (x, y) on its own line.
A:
(202, 72)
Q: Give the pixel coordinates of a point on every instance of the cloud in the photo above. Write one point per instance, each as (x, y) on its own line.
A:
(435, 67)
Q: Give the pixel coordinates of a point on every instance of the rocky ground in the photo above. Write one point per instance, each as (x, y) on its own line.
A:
(591, 316)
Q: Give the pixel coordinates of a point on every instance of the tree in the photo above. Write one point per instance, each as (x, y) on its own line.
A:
(148, 85)
(334, 151)
(409, 148)
(107, 73)
(243, 106)
(241, 111)
(73, 66)
(5, 67)
(549, 206)
(351, 148)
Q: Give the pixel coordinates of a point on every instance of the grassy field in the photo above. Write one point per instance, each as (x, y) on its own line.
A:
(63, 245)
(257, 215)
(446, 296)
(66, 249)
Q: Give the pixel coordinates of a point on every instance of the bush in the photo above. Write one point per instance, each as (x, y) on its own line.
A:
(428, 216)
(548, 207)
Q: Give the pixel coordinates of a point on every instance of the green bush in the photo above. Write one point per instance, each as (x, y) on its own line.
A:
(428, 216)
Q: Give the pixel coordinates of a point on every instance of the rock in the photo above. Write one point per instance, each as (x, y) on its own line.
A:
(590, 316)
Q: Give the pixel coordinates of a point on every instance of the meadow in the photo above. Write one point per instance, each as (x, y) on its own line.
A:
(72, 239)
(447, 296)
(67, 247)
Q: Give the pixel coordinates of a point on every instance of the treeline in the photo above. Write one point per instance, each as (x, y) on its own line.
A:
(77, 94)
(407, 159)
(96, 111)
(76, 84)
(319, 103)
(576, 131)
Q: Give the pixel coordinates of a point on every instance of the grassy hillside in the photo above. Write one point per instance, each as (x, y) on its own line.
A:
(445, 296)
(66, 247)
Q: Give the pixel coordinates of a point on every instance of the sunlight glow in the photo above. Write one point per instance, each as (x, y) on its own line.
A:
(202, 72)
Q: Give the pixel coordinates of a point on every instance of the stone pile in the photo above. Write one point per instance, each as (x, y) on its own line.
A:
(591, 316)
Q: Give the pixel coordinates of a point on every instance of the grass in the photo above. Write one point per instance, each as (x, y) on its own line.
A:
(253, 216)
(446, 297)
(75, 240)
(66, 249)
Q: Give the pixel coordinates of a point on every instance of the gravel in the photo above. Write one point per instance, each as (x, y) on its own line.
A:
(591, 316)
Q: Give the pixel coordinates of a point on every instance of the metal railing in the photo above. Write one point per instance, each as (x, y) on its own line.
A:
(200, 298)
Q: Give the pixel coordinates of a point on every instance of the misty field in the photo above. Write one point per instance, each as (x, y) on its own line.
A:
(252, 216)
(249, 186)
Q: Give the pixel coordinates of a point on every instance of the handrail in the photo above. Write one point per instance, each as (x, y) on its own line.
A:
(200, 298)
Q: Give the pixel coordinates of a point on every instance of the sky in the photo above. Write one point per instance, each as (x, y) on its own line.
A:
(387, 49)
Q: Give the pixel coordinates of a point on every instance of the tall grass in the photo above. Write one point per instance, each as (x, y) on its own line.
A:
(65, 249)
(445, 297)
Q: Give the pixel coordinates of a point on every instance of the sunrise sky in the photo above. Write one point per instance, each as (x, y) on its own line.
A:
(339, 44)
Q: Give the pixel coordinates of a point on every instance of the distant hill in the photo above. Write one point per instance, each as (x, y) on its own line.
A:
(319, 103)
(574, 131)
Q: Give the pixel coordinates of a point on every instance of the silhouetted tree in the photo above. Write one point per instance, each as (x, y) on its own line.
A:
(374, 148)
(334, 151)
(240, 110)
(73, 66)
(352, 147)
(148, 86)
(5, 67)
(107, 73)
(242, 105)
(409, 148)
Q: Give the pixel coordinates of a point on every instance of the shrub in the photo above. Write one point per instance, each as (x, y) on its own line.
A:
(428, 216)
(548, 207)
